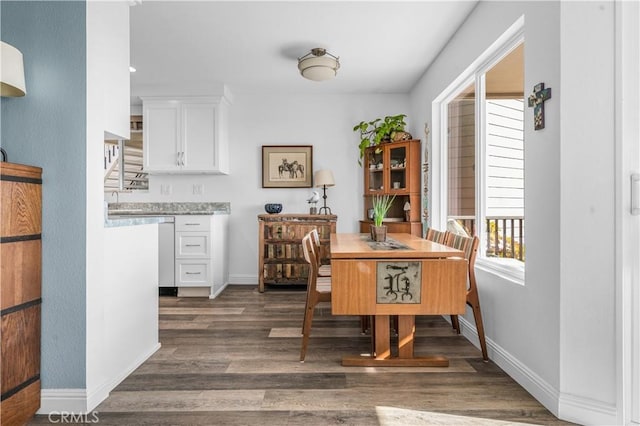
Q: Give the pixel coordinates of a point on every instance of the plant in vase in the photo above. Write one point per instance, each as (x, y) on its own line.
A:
(373, 133)
(381, 205)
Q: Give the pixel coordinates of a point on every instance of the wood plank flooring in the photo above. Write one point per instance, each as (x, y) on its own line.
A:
(235, 361)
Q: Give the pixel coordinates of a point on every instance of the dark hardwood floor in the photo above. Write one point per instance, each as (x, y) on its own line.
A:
(235, 361)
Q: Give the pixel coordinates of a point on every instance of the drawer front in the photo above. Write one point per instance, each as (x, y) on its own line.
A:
(193, 223)
(193, 274)
(192, 245)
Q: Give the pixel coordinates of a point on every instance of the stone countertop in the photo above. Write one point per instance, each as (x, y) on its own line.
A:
(115, 222)
(168, 209)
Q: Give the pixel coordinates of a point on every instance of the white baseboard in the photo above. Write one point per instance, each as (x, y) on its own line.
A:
(214, 295)
(546, 394)
(82, 401)
(63, 400)
(564, 406)
(587, 411)
(244, 279)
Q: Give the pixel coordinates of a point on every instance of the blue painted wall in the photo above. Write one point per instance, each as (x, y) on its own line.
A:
(47, 128)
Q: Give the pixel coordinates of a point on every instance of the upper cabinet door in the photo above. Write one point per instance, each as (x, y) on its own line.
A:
(185, 135)
(199, 136)
(161, 145)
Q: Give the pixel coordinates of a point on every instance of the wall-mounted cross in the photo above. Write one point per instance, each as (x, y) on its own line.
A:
(536, 100)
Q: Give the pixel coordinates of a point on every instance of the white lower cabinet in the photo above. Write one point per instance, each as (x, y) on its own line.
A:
(199, 248)
(193, 251)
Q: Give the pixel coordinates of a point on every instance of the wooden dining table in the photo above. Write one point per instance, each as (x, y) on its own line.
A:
(404, 276)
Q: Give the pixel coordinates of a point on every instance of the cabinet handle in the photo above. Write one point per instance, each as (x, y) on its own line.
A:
(192, 224)
(178, 159)
(192, 245)
(182, 158)
(192, 273)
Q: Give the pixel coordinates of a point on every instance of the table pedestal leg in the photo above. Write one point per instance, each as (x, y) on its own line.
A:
(405, 358)
(382, 338)
(406, 332)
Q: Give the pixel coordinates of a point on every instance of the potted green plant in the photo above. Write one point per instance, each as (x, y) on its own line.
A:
(373, 133)
(381, 205)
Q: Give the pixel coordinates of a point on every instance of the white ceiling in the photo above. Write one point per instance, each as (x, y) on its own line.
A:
(252, 47)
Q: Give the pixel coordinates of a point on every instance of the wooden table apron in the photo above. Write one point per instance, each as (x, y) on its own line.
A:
(443, 279)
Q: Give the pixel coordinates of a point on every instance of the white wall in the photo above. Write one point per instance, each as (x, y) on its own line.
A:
(587, 215)
(130, 329)
(324, 121)
(555, 334)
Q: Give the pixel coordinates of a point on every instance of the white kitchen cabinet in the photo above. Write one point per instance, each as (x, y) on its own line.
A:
(185, 135)
(199, 252)
(108, 65)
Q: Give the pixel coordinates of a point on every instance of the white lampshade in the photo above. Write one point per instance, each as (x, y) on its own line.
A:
(11, 71)
(318, 65)
(323, 178)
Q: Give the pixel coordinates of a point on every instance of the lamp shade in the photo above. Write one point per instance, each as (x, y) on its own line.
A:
(323, 178)
(11, 71)
(318, 65)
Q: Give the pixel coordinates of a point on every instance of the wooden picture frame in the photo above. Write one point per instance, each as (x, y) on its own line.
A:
(287, 166)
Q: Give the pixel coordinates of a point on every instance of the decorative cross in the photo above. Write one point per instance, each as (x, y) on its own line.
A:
(536, 100)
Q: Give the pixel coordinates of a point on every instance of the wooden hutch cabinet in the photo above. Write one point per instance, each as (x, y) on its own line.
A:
(280, 257)
(20, 291)
(394, 169)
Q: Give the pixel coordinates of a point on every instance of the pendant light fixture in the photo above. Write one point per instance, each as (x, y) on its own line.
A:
(318, 65)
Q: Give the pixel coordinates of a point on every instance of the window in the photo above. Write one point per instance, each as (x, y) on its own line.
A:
(483, 158)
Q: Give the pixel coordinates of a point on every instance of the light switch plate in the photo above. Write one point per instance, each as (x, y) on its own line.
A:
(198, 189)
(166, 189)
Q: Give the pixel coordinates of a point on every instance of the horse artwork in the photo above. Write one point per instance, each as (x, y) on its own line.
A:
(287, 167)
(294, 169)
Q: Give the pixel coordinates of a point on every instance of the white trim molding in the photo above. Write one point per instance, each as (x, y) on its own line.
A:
(533, 383)
(83, 401)
(243, 279)
(576, 408)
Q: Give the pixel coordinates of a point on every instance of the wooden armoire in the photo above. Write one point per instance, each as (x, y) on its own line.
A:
(20, 291)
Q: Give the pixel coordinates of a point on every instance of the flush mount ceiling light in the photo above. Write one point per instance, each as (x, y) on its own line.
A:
(318, 65)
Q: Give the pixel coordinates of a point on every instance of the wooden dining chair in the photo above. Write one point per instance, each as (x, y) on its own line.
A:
(323, 270)
(470, 248)
(318, 290)
(435, 235)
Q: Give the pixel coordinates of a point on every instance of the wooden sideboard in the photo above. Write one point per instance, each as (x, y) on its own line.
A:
(280, 257)
(20, 291)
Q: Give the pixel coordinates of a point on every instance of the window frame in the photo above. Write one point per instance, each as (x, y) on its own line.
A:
(507, 269)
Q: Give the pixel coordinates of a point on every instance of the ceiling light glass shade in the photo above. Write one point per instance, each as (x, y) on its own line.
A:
(318, 65)
(11, 71)
(323, 178)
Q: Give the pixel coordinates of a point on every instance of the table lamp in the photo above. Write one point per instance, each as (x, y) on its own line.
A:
(322, 179)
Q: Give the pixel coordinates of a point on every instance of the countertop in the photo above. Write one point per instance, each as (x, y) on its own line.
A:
(114, 222)
(168, 209)
(131, 214)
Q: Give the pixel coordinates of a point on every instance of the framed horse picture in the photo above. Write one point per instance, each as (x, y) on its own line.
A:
(287, 166)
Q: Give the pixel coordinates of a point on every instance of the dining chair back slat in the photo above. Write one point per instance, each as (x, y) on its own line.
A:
(435, 235)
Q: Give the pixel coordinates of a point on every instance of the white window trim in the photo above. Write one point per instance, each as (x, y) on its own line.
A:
(474, 73)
